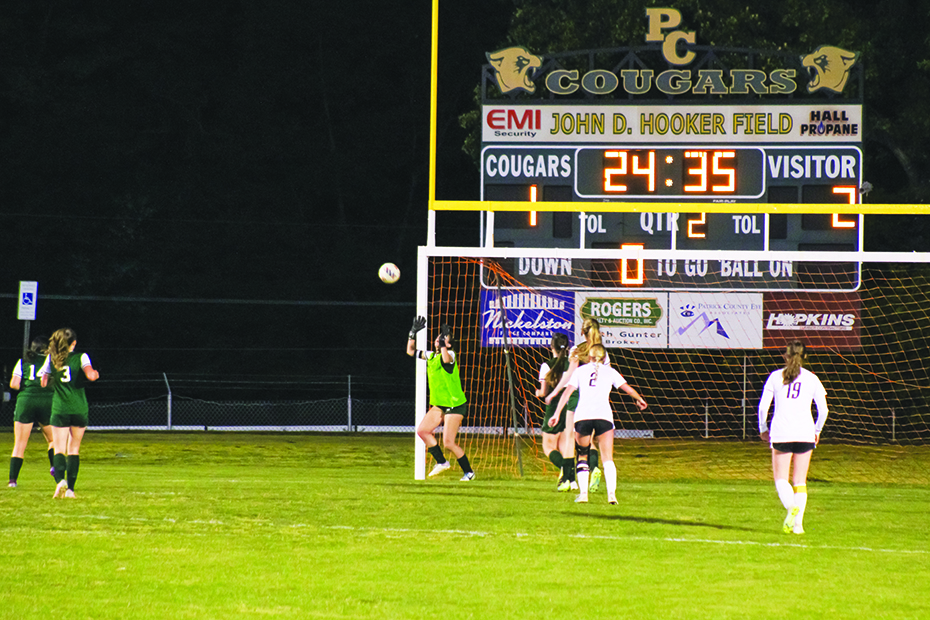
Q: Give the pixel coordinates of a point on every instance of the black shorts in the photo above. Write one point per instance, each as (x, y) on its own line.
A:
(460, 410)
(584, 427)
(796, 447)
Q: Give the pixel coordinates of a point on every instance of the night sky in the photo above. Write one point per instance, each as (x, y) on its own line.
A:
(209, 187)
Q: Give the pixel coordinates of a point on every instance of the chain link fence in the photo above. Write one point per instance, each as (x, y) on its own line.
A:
(187, 403)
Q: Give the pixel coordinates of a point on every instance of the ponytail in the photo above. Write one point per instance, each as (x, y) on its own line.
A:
(37, 348)
(592, 333)
(795, 354)
(560, 346)
(59, 345)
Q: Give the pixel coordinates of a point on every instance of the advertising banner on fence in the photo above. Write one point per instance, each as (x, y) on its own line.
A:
(715, 321)
(531, 317)
(817, 319)
(637, 320)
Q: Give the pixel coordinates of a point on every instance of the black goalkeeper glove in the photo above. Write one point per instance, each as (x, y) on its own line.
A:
(444, 331)
(418, 324)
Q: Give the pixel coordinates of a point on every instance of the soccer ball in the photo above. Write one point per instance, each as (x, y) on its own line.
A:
(389, 273)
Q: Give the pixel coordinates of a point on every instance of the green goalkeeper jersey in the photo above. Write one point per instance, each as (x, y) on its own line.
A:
(445, 388)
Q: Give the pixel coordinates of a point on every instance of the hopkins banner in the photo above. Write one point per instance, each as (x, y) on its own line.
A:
(829, 320)
(531, 317)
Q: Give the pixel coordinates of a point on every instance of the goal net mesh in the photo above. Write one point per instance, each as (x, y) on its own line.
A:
(699, 357)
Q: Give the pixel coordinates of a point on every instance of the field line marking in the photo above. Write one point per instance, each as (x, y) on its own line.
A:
(706, 541)
(482, 534)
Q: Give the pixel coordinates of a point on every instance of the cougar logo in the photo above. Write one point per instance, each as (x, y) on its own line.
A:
(515, 67)
(829, 67)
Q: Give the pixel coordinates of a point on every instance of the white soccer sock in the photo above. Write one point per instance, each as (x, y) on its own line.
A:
(583, 482)
(800, 500)
(785, 493)
(610, 475)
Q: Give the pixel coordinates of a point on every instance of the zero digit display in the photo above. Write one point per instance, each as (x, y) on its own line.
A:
(670, 173)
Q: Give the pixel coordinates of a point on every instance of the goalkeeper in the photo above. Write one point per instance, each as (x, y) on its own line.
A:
(448, 404)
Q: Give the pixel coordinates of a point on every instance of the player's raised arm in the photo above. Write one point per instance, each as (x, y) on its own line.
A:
(419, 323)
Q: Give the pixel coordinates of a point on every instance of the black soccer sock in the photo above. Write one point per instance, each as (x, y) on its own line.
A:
(436, 451)
(557, 459)
(592, 458)
(16, 464)
(60, 465)
(569, 468)
(74, 463)
(464, 464)
(51, 457)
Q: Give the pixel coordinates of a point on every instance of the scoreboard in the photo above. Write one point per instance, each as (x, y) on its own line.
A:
(527, 155)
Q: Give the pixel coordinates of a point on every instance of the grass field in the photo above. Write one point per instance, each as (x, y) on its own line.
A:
(322, 526)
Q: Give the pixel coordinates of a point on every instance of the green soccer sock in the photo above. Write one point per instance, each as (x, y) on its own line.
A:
(556, 458)
(73, 464)
(51, 457)
(16, 464)
(568, 466)
(60, 465)
(592, 458)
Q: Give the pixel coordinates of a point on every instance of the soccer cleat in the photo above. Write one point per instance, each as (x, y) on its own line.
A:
(581, 499)
(51, 472)
(564, 486)
(798, 529)
(60, 489)
(612, 499)
(440, 467)
(574, 485)
(595, 483)
(12, 484)
(788, 525)
(70, 493)
(468, 477)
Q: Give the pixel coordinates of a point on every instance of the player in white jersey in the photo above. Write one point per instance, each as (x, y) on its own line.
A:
(794, 433)
(594, 381)
(580, 354)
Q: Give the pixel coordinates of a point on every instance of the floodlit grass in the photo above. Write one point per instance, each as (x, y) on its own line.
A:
(309, 526)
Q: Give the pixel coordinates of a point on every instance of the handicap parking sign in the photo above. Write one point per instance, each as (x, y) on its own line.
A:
(28, 296)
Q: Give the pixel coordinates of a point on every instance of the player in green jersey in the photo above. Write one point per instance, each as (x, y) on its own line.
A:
(448, 404)
(33, 406)
(558, 443)
(577, 356)
(68, 371)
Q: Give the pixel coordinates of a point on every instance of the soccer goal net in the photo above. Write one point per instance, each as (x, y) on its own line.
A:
(695, 332)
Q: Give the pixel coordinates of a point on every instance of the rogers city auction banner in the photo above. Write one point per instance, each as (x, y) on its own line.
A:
(659, 123)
